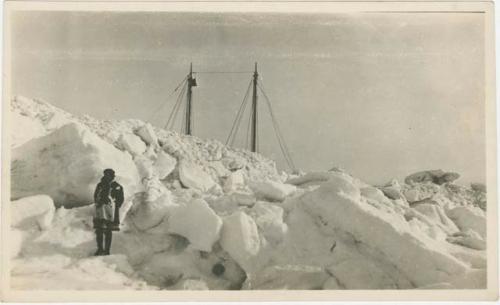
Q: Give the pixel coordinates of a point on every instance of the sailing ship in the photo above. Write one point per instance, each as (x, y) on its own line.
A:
(185, 96)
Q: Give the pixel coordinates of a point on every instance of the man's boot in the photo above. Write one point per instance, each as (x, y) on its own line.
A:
(107, 241)
(99, 236)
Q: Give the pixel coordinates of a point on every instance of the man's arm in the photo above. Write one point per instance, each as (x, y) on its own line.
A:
(98, 189)
(118, 194)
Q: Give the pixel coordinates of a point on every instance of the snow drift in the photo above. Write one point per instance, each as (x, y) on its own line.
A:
(65, 165)
(200, 215)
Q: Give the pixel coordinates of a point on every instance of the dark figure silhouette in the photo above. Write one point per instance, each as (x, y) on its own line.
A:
(108, 198)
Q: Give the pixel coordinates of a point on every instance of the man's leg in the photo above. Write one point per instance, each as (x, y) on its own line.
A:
(99, 236)
(108, 236)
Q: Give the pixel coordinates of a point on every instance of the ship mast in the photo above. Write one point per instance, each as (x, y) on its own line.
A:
(254, 111)
(191, 82)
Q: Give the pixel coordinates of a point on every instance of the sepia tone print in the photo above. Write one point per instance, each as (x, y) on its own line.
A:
(221, 150)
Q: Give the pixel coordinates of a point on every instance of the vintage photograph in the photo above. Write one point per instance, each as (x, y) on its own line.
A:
(162, 150)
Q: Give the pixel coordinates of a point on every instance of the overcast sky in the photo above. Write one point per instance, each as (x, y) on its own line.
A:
(380, 95)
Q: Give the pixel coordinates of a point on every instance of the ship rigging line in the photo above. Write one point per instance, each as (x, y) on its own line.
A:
(183, 117)
(249, 134)
(237, 120)
(175, 110)
(222, 72)
(279, 135)
(166, 100)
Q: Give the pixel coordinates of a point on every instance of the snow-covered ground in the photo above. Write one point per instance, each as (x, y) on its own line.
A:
(200, 215)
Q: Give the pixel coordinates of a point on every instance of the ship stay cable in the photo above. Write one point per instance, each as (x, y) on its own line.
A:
(239, 115)
(157, 111)
(279, 135)
(175, 109)
(173, 114)
(183, 121)
(222, 72)
(248, 137)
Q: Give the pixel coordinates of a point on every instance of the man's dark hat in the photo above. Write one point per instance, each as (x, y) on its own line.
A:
(109, 172)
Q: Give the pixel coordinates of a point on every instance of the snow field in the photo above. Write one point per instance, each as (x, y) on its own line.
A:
(200, 215)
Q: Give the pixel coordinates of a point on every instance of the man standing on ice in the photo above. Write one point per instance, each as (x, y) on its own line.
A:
(108, 198)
